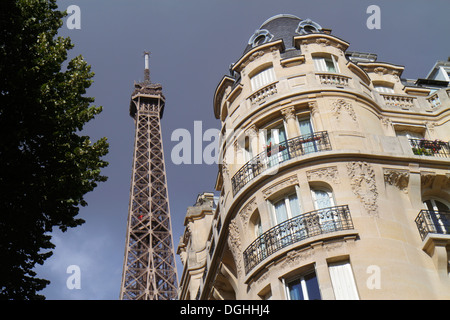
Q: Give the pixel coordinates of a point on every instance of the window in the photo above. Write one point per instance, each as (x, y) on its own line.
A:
(276, 146)
(326, 64)
(260, 37)
(439, 215)
(342, 280)
(286, 208)
(262, 78)
(323, 198)
(383, 89)
(305, 287)
(307, 131)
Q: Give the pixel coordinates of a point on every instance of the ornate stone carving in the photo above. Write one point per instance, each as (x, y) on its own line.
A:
(362, 181)
(246, 212)
(280, 185)
(327, 174)
(342, 105)
(288, 113)
(234, 243)
(397, 178)
(313, 107)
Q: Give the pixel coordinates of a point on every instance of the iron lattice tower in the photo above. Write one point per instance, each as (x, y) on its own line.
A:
(149, 271)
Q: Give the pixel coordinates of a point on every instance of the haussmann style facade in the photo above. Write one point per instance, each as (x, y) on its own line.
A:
(334, 177)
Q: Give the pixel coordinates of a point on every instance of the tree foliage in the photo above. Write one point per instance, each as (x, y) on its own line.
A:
(46, 164)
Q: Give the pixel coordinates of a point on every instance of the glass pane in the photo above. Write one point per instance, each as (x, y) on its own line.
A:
(322, 199)
(440, 206)
(305, 127)
(330, 65)
(280, 211)
(312, 286)
(295, 290)
(294, 205)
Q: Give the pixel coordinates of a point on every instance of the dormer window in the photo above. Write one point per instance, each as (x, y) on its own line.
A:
(308, 26)
(260, 37)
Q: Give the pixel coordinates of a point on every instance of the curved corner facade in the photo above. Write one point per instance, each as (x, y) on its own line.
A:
(334, 176)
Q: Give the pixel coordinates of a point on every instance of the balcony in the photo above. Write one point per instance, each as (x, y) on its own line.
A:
(333, 79)
(301, 227)
(434, 148)
(276, 154)
(398, 101)
(262, 94)
(436, 222)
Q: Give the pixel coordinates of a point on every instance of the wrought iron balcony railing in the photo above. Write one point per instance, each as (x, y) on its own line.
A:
(430, 221)
(296, 229)
(276, 154)
(434, 148)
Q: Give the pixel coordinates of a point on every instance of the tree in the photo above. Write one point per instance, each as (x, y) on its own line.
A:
(46, 164)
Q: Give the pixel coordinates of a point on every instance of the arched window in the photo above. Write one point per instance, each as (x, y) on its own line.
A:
(323, 198)
(326, 215)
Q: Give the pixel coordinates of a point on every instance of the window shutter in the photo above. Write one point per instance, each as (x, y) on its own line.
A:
(343, 282)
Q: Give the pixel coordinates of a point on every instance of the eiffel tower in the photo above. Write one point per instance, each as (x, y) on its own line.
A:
(149, 271)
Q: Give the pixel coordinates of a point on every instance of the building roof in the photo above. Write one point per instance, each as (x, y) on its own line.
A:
(281, 26)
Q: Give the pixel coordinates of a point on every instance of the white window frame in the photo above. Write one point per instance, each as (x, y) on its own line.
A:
(320, 64)
(302, 284)
(272, 210)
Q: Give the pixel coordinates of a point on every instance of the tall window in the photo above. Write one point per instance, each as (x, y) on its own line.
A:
(323, 199)
(326, 64)
(344, 285)
(286, 208)
(306, 131)
(262, 78)
(276, 145)
(304, 287)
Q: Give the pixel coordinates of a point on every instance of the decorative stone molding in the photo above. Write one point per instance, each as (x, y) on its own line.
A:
(342, 105)
(247, 211)
(385, 121)
(328, 174)
(234, 243)
(280, 185)
(397, 178)
(362, 181)
(427, 179)
(288, 113)
(296, 257)
(251, 131)
(313, 107)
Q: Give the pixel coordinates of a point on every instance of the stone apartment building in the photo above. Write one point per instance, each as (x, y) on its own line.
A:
(334, 177)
